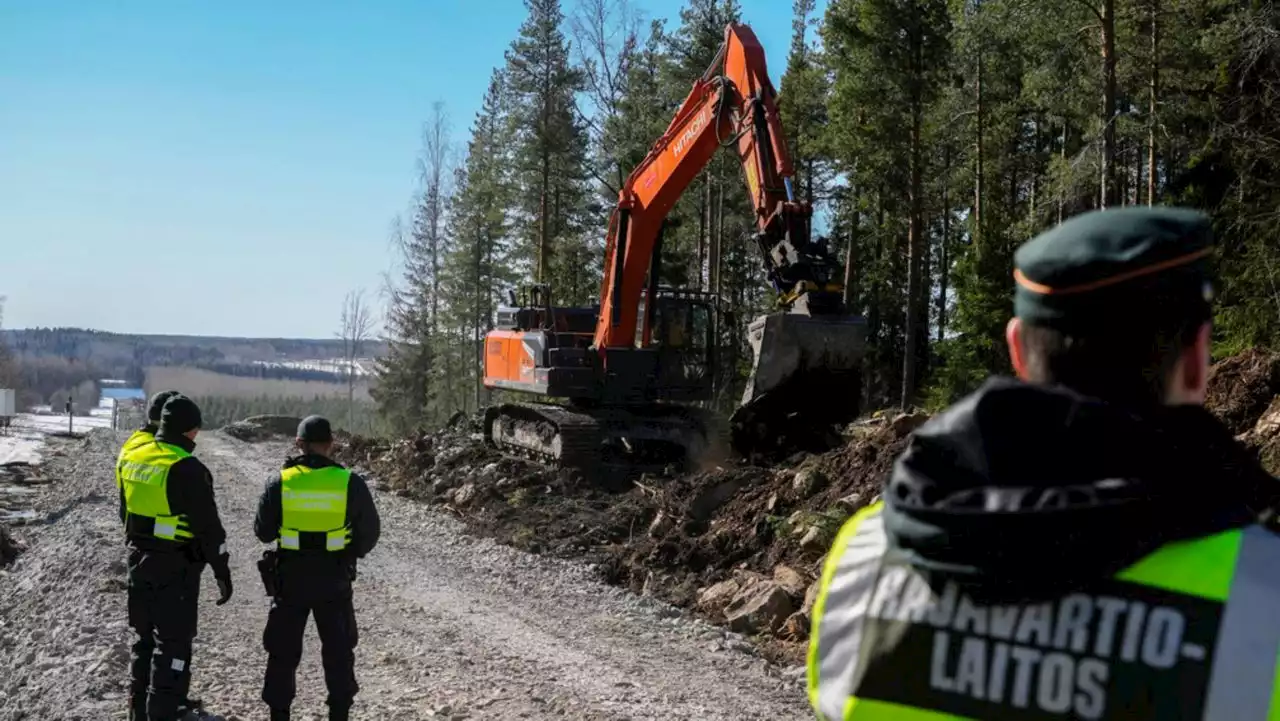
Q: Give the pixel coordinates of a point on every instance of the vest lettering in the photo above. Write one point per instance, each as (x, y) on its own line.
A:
(970, 618)
(1035, 625)
(971, 678)
(1073, 623)
(1163, 638)
(1003, 620)
(1109, 609)
(942, 608)
(1133, 631)
(1025, 660)
(1055, 687)
(938, 666)
(1091, 680)
(999, 667)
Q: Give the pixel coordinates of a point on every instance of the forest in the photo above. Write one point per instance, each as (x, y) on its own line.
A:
(932, 138)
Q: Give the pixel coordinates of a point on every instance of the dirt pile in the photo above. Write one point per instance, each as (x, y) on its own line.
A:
(741, 544)
(1243, 393)
(1242, 387)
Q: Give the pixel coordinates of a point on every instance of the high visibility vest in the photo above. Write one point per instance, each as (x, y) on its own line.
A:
(143, 473)
(136, 439)
(1191, 631)
(313, 505)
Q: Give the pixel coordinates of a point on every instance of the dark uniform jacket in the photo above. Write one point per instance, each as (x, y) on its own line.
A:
(362, 519)
(190, 493)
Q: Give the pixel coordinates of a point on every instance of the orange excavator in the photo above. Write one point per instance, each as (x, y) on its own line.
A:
(629, 371)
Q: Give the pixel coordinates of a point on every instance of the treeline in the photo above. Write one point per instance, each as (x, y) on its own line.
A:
(271, 372)
(932, 137)
(360, 417)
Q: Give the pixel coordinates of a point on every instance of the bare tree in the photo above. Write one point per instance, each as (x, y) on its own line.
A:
(607, 35)
(357, 327)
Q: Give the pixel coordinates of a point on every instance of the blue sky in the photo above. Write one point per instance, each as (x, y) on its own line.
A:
(231, 168)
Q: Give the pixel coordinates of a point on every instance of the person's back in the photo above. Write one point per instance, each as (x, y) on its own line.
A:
(1043, 553)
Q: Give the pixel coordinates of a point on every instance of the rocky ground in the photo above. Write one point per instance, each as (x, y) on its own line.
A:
(740, 545)
(451, 626)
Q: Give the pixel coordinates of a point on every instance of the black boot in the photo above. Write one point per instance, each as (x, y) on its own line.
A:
(339, 713)
(279, 714)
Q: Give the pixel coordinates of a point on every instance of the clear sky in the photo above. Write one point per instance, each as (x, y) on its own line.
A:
(231, 168)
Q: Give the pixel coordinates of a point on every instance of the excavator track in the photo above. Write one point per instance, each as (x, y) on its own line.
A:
(549, 434)
(630, 438)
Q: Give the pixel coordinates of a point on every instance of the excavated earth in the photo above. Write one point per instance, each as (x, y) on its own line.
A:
(740, 545)
(451, 626)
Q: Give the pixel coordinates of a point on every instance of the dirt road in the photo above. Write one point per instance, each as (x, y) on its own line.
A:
(450, 626)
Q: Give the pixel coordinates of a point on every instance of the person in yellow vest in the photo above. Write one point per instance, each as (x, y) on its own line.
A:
(147, 432)
(322, 519)
(173, 530)
(1084, 541)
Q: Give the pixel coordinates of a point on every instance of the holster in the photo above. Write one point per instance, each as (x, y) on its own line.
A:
(269, 569)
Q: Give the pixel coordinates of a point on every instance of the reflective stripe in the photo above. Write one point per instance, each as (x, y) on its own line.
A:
(289, 540)
(336, 540)
(165, 530)
(1243, 678)
(840, 608)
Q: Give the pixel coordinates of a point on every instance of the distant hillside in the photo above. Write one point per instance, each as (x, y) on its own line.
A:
(50, 361)
(113, 349)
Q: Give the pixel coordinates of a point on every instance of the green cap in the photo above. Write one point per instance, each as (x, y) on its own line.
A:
(1108, 268)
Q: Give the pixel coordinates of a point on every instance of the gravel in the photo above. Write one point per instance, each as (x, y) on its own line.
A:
(451, 626)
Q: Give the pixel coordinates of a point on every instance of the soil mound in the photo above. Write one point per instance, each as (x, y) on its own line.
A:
(1242, 387)
(672, 536)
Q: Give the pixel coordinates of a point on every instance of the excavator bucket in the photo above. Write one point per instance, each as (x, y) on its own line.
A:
(805, 379)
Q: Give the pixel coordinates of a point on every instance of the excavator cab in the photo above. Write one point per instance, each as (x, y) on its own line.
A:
(682, 332)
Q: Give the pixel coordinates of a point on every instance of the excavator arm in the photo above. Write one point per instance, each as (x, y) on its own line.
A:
(733, 104)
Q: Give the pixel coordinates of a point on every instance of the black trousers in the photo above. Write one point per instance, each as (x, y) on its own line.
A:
(330, 601)
(164, 593)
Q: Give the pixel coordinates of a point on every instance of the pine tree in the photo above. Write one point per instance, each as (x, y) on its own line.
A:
(476, 270)
(551, 153)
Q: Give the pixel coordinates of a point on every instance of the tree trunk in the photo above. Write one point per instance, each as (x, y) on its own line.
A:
(978, 161)
(944, 269)
(850, 257)
(915, 242)
(1152, 107)
(1107, 196)
(717, 241)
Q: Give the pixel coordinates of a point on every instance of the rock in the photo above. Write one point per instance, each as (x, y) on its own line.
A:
(905, 423)
(809, 481)
(796, 627)
(715, 597)
(661, 525)
(465, 494)
(789, 579)
(762, 606)
(851, 502)
(812, 539)
(810, 597)
(772, 503)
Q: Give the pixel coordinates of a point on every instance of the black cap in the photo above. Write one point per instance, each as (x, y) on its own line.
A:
(1113, 268)
(315, 429)
(157, 405)
(180, 415)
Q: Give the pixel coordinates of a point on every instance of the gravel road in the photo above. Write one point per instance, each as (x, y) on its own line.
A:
(451, 627)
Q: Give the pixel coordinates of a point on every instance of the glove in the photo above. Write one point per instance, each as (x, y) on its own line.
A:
(222, 573)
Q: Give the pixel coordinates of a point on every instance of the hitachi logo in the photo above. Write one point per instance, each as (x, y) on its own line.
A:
(691, 132)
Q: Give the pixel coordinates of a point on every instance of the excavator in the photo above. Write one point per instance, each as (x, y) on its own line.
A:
(626, 375)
